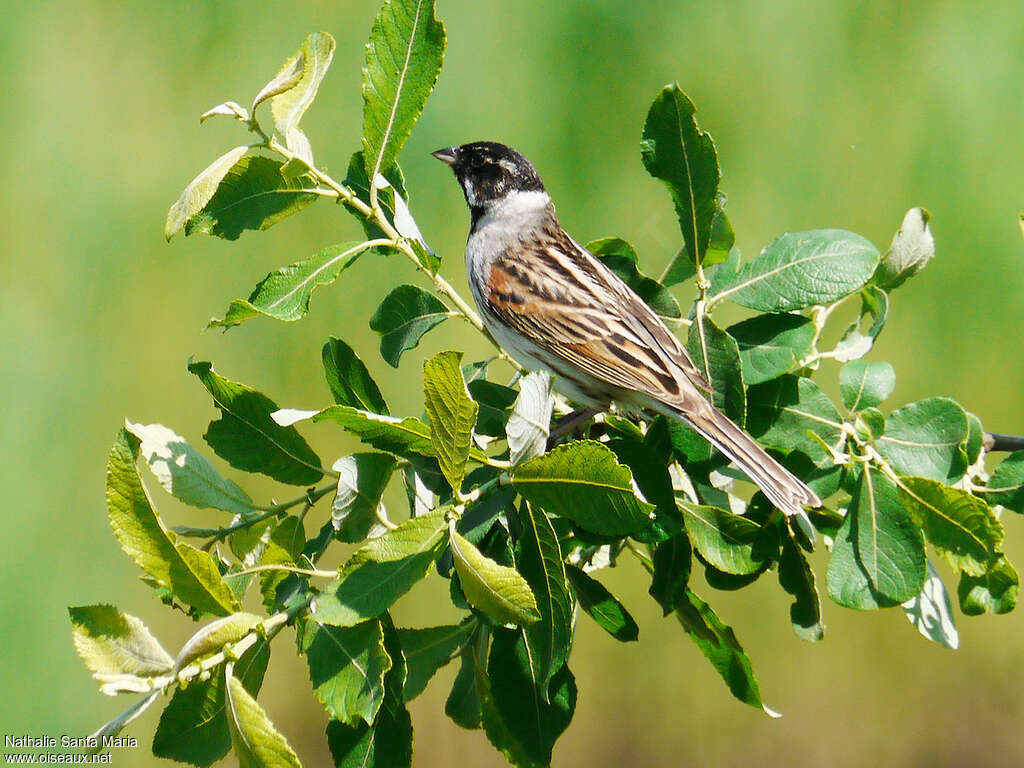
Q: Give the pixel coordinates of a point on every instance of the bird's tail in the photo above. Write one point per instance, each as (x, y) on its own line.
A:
(782, 487)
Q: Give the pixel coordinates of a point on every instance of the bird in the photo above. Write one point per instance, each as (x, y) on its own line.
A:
(551, 305)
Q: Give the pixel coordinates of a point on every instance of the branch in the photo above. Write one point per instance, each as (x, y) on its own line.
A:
(993, 441)
(310, 497)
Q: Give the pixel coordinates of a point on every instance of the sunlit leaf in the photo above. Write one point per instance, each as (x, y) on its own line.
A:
(802, 269)
(290, 104)
(199, 191)
(529, 424)
(185, 473)
(931, 612)
(252, 194)
(284, 294)
(865, 385)
(403, 59)
(928, 439)
(112, 643)
(257, 743)
(959, 525)
(381, 571)
(683, 156)
(452, 414)
(912, 248)
(188, 573)
(583, 482)
(497, 590)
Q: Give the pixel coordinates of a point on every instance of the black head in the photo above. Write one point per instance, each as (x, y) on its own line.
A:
(489, 171)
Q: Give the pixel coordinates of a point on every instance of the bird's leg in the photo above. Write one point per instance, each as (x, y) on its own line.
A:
(569, 422)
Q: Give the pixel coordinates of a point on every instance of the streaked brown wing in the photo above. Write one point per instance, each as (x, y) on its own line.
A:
(570, 304)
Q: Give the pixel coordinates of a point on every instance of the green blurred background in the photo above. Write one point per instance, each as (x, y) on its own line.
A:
(825, 115)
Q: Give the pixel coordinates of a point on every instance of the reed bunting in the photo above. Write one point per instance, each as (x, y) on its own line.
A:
(553, 306)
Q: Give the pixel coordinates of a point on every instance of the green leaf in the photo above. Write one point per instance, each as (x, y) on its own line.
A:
(532, 720)
(427, 650)
(291, 103)
(858, 339)
(463, 704)
(960, 526)
(403, 59)
(784, 410)
(797, 578)
(718, 358)
(380, 572)
(682, 156)
(361, 483)
(200, 190)
(771, 345)
(931, 612)
(256, 742)
(1006, 485)
(350, 382)
(621, 258)
(725, 540)
(912, 248)
(287, 77)
(185, 473)
(387, 742)
(253, 194)
(719, 645)
(671, 566)
(347, 667)
(928, 439)
(602, 606)
(115, 645)
(994, 592)
(494, 400)
(386, 433)
(403, 317)
(226, 109)
(802, 269)
(248, 438)
(583, 482)
(452, 414)
(865, 385)
(193, 727)
(285, 293)
(189, 574)
(682, 266)
(539, 559)
(848, 583)
(529, 424)
(495, 589)
(888, 545)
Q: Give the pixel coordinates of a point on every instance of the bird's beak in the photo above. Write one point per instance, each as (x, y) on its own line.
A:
(446, 155)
